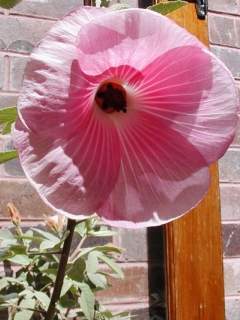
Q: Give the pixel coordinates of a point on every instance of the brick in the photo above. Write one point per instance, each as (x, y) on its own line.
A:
(1, 72)
(130, 3)
(224, 30)
(226, 6)
(48, 9)
(230, 202)
(2, 44)
(231, 57)
(23, 34)
(236, 140)
(232, 307)
(231, 239)
(12, 168)
(134, 243)
(133, 288)
(17, 67)
(8, 100)
(137, 311)
(24, 197)
(229, 166)
(232, 276)
(141, 244)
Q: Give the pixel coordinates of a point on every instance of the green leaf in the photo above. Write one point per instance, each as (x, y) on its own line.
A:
(46, 235)
(5, 254)
(87, 301)
(48, 244)
(166, 7)
(7, 116)
(66, 286)
(18, 249)
(27, 237)
(8, 297)
(3, 283)
(7, 238)
(112, 265)
(7, 128)
(16, 281)
(123, 316)
(25, 313)
(106, 249)
(92, 262)
(43, 298)
(6, 234)
(27, 293)
(8, 155)
(8, 4)
(98, 280)
(21, 259)
(77, 270)
(102, 233)
(81, 229)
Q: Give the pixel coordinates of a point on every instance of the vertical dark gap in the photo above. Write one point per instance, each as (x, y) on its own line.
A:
(145, 3)
(87, 2)
(156, 273)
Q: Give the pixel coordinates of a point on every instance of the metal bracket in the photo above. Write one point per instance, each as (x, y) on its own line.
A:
(202, 8)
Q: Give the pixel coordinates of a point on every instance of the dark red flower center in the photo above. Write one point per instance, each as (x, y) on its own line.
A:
(111, 97)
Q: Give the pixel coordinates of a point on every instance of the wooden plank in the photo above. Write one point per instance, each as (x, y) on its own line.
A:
(195, 288)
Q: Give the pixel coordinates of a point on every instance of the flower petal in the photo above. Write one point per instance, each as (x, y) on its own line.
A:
(162, 176)
(69, 156)
(48, 74)
(73, 175)
(133, 37)
(194, 93)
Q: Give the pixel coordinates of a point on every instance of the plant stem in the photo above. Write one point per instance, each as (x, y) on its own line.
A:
(61, 270)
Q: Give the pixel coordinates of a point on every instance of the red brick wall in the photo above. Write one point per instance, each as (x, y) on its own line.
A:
(224, 33)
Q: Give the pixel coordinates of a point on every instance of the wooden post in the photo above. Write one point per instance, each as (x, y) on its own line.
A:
(195, 288)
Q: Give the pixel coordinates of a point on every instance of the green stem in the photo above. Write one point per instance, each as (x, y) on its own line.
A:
(61, 270)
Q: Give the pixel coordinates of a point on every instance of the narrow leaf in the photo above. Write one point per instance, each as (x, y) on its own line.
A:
(6, 234)
(46, 235)
(106, 249)
(8, 114)
(3, 283)
(92, 262)
(48, 244)
(66, 286)
(26, 313)
(98, 280)
(102, 233)
(42, 298)
(87, 301)
(166, 7)
(77, 270)
(112, 265)
(8, 4)
(21, 259)
(8, 155)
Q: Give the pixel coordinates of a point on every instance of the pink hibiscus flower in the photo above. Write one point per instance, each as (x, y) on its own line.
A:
(121, 113)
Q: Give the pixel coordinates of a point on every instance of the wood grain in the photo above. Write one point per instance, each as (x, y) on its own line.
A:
(195, 289)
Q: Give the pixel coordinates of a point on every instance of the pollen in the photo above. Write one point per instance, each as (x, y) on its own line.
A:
(111, 97)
